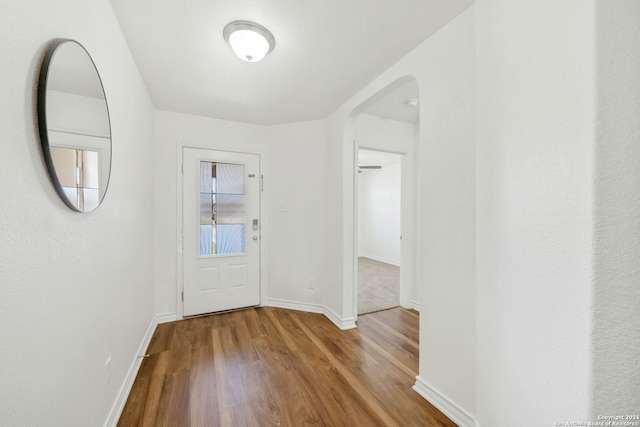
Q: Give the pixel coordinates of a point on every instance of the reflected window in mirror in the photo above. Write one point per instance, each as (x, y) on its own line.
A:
(78, 172)
(74, 124)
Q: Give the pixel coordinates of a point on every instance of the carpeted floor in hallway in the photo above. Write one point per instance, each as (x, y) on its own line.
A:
(378, 285)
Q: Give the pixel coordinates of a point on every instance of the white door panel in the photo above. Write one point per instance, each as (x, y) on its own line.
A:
(221, 247)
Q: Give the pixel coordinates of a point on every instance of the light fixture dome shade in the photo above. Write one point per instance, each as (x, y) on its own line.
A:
(251, 42)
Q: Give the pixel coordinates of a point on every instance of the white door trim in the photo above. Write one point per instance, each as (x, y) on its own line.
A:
(179, 224)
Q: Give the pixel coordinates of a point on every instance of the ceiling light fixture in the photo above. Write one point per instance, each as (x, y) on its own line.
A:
(411, 102)
(250, 41)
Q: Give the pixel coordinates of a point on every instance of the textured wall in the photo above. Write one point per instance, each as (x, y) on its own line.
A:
(616, 303)
(76, 288)
(535, 108)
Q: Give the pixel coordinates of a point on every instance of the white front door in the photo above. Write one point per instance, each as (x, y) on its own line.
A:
(221, 226)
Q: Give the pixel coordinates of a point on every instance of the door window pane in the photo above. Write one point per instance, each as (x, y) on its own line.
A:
(206, 177)
(230, 209)
(230, 238)
(222, 209)
(207, 244)
(230, 178)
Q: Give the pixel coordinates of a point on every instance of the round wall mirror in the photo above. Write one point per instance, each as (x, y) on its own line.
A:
(75, 131)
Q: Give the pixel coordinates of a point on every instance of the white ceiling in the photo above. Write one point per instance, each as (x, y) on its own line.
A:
(326, 51)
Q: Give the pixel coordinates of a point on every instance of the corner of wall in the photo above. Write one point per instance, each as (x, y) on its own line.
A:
(444, 404)
(343, 324)
(125, 389)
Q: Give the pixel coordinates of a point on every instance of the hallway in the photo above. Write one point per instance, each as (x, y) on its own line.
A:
(268, 366)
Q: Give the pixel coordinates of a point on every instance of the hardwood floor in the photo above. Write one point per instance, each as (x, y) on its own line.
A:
(274, 367)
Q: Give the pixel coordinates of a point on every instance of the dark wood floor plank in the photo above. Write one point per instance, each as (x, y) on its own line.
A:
(182, 346)
(401, 320)
(238, 343)
(133, 412)
(361, 390)
(147, 387)
(398, 348)
(254, 325)
(274, 367)
(162, 339)
(261, 394)
(385, 377)
(280, 367)
(203, 402)
(230, 390)
(373, 324)
(320, 400)
(286, 336)
(173, 407)
(342, 403)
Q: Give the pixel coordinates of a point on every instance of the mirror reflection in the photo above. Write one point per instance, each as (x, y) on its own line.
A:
(74, 125)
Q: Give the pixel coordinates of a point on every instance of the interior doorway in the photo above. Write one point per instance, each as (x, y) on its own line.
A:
(379, 207)
(388, 123)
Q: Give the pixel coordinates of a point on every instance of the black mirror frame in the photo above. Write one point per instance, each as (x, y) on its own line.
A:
(43, 127)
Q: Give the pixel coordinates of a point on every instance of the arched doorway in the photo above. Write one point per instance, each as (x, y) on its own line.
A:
(388, 122)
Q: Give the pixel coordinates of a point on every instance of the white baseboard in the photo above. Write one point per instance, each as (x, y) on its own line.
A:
(313, 308)
(348, 323)
(415, 305)
(125, 389)
(444, 404)
(294, 305)
(166, 318)
(380, 259)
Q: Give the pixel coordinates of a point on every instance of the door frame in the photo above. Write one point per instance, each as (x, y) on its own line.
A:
(407, 229)
(180, 225)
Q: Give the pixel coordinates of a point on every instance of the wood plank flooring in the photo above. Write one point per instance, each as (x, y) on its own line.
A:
(274, 367)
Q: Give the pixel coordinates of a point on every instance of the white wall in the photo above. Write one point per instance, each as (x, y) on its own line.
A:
(444, 68)
(447, 194)
(535, 143)
(76, 113)
(76, 288)
(293, 235)
(379, 210)
(616, 292)
(297, 238)
(372, 132)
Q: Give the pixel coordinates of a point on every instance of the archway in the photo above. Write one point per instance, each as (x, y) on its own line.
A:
(388, 122)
